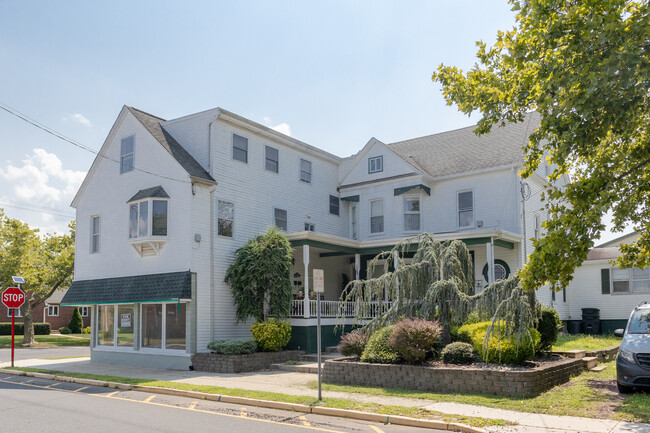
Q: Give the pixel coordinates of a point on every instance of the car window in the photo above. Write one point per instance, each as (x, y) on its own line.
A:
(640, 322)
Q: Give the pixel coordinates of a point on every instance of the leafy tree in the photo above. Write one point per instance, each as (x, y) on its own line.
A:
(76, 323)
(260, 275)
(585, 68)
(46, 264)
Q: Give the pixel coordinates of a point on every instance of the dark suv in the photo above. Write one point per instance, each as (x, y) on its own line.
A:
(633, 359)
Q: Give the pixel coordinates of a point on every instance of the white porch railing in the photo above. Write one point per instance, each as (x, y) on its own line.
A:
(331, 308)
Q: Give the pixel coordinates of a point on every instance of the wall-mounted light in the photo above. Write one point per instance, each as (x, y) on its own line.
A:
(193, 189)
(296, 275)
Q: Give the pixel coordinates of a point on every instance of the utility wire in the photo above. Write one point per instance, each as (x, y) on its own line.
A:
(51, 131)
(35, 208)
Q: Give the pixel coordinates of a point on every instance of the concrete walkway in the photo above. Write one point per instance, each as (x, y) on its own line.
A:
(299, 384)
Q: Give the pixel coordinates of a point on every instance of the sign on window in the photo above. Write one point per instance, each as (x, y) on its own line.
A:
(125, 320)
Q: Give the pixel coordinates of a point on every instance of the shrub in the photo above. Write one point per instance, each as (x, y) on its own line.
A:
(352, 344)
(86, 330)
(272, 335)
(39, 329)
(76, 322)
(65, 330)
(233, 347)
(378, 350)
(548, 326)
(458, 353)
(42, 329)
(415, 339)
(501, 350)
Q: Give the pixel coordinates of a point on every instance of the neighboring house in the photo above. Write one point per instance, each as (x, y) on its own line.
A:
(599, 284)
(50, 311)
(166, 203)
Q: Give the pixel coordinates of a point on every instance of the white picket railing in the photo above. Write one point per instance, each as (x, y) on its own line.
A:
(331, 308)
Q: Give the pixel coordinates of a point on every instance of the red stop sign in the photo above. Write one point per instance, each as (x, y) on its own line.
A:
(13, 297)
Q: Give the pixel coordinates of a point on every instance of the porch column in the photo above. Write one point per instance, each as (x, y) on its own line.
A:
(490, 260)
(305, 260)
(357, 265)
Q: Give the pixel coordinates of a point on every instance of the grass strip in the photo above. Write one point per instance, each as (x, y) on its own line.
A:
(413, 412)
(585, 342)
(45, 341)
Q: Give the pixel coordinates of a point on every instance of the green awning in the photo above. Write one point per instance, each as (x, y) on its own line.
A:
(404, 189)
(170, 286)
(354, 198)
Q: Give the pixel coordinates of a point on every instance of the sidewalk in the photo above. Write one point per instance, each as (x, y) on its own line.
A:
(298, 384)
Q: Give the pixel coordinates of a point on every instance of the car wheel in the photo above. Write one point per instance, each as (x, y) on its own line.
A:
(624, 389)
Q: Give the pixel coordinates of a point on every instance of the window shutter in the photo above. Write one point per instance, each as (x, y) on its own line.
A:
(604, 281)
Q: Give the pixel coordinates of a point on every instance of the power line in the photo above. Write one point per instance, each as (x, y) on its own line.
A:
(51, 131)
(36, 208)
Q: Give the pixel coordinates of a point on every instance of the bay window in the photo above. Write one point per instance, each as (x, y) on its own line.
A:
(145, 223)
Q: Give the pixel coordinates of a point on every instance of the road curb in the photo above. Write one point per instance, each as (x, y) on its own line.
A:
(294, 407)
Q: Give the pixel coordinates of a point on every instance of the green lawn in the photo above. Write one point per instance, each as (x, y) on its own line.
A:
(48, 340)
(272, 396)
(585, 342)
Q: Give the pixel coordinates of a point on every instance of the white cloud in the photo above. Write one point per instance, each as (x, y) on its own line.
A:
(42, 179)
(80, 119)
(284, 128)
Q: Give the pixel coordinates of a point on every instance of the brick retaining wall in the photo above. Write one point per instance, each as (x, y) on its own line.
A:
(604, 355)
(513, 383)
(216, 363)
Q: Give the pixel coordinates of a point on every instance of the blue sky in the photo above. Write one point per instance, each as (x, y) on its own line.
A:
(332, 74)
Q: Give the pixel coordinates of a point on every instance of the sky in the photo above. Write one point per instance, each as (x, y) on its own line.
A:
(331, 73)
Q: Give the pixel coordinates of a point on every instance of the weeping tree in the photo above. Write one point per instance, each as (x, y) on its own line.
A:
(260, 277)
(438, 284)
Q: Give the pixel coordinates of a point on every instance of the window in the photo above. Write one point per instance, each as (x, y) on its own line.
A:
(83, 311)
(175, 326)
(353, 222)
(272, 161)
(537, 226)
(105, 325)
(310, 227)
(225, 219)
(127, 151)
(334, 205)
(411, 214)
(240, 148)
(143, 223)
(305, 170)
(465, 209)
(125, 319)
(17, 310)
(52, 310)
(375, 164)
(280, 218)
(94, 234)
(631, 280)
(166, 330)
(376, 216)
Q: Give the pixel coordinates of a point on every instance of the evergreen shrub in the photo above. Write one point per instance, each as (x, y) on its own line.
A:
(76, 322)
(39, 329)
(65, 330)
(233, 347)
(272, 335)
(352, 344)
(548, 326)
(86, 330)
(501, 350)
(415, 339)
(378, 350)
(458, 353)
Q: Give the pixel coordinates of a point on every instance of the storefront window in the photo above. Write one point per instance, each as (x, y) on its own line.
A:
(105, 325)
(152, 326)
(175, 326)
(125, 325)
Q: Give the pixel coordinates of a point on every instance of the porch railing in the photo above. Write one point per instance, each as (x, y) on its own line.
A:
(331, 308)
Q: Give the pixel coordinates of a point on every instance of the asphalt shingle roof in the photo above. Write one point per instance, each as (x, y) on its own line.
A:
(187, 161)
(137, 288)
(153, 192)
(460, 151)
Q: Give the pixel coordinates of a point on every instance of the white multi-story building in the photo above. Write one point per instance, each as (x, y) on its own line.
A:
(166, 203)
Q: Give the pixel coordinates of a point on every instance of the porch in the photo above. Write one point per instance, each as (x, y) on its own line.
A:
(331, 309)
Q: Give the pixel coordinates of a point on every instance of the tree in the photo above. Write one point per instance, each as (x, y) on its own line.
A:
(260, 276)
(45, 263)
(76, 323)
(585, 67)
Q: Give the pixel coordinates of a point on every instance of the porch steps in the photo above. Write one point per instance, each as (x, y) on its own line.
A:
(578, 354)
(598, 368)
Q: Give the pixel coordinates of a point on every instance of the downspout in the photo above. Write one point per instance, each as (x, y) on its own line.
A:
(212, 238)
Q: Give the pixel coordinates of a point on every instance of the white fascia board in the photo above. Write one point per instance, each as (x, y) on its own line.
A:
(413, 177)
(278, 136)
(100, 155)
(214, 112)
(481, 171)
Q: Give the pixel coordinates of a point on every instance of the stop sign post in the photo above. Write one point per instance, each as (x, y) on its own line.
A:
(13, 298)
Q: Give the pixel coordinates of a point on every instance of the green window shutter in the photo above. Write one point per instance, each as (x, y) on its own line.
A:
(604, 281)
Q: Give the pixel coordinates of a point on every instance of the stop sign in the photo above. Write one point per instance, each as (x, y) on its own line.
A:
(13, 297)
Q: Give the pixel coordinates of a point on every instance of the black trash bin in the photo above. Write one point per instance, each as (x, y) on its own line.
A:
(590, 321)
(573, 327)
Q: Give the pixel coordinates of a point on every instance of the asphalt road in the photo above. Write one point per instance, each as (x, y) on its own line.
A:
(30, 404)
(43, 352)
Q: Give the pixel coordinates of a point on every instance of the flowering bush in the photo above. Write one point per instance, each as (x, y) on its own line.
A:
(272, 335)
(415, 339)
(352, 344)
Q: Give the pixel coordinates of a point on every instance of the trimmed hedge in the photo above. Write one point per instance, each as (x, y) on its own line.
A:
(233, 347)
(64, 330)
(39, 329)
(272, 335)
(458, 353)
(501, 351)
(378, 350)
(548, 326)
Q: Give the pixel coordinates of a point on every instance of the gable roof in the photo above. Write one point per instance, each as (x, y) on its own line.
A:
(187, 161)
(153, 192)
(460, 151)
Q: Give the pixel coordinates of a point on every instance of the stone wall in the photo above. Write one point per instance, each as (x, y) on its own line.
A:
(216, 363)
(509, 383)
(604, 355)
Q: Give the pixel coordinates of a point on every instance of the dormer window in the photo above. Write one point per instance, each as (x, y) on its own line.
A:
(127, 153)
(148, 218)
(375, 164)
